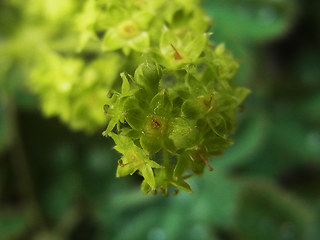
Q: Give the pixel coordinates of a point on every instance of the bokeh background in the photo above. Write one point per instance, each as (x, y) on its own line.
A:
(57, 184)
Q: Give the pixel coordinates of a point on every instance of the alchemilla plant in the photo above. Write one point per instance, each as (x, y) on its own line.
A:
(173, 106)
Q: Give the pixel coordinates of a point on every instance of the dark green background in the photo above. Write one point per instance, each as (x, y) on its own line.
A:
(57, 184)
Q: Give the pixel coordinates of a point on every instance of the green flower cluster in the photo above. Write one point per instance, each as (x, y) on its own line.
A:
(175, 107)
(71, 85)
(75, 89)
(80, 56)
(170, 121)
(135, 25)
(79, 49)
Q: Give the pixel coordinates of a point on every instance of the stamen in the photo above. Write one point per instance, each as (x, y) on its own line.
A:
(206, 162)
(177, 55)
(209, 101)
(156, 122)
(122, 164)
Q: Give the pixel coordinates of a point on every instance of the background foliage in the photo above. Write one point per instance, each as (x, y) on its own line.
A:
(60, 184)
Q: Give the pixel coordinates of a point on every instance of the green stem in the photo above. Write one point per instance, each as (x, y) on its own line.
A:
(21, 169)
(166, 162)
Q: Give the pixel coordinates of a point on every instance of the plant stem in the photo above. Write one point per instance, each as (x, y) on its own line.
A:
(165, 155)
(21, 169)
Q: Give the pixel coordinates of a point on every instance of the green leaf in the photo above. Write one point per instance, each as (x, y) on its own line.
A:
(122, 142)
(241, 93)
(134, 158)
(115, 112)
(224, 102)
(140, 43)
(112, 40)
(117, 106)
(196, 163)
(147, 173)
(196, 46)
(250, 21)
(195, 86)
(12, 224)
(183, 133)
(125, 89)
(150, 143)
(111, 124)
(279, 209)
(191, 109)
(215, 144)
(181, 184)
(125, 169)
(134, 114)
(145, 187)
(182, 165)
(161, 104)
(148, 75)
(218, 125)
(167, 39)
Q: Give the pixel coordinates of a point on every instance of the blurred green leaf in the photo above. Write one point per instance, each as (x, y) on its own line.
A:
(216, 201)
(12, 224)
(294, 138)
(309, 109)
(249, 140)
(266, 212)
(59, 196)
(249, 20)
